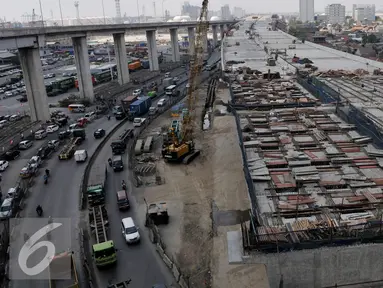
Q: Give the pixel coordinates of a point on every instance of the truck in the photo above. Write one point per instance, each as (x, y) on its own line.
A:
(127, 101)
(103, 250)
(119, 145)
(68, 150)
(79, 133)
(80, 155)
(139, 107)
(59, 274)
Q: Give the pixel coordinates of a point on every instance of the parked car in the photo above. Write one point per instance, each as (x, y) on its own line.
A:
(24, 145)
(52, 128)
(11, 155)
(99, 133)
(3, 165)
(6, 209)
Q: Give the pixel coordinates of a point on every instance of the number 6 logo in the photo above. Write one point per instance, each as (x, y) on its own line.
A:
(31, 246)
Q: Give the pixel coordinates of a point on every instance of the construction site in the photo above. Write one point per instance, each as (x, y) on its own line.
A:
(311, 147)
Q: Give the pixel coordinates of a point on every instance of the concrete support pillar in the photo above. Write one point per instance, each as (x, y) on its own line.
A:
(84, 76)
(121, 59)
(152, 50)
(34, 83)
(175, 46)
(215, 36)
(222, 29)
(191, 36)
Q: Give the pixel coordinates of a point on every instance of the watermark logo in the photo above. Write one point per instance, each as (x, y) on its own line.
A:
(38, 248)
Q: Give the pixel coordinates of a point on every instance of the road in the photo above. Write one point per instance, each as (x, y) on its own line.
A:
(60, 199)
(139, 262)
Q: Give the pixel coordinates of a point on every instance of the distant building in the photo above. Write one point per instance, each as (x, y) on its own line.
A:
(191, 10)
(335, 13)
(362, 13)
(306, 10)
(238, 12)
(225, 12)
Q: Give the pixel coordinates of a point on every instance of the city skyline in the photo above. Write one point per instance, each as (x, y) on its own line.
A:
(91, 8)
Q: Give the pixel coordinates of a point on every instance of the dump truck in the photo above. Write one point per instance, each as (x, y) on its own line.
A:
(59, 274)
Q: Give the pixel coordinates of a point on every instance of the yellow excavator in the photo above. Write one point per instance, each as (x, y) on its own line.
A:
(182, 149)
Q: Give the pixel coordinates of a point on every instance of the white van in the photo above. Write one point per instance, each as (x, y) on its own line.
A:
(41, 134)
(130, 231)
(80, 155)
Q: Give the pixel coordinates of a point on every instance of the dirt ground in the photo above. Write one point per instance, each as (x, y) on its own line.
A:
(215, 179)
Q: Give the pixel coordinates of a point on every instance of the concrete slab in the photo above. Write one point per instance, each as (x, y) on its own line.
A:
(234, 247)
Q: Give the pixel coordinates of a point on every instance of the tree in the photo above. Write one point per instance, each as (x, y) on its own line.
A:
(364, 39)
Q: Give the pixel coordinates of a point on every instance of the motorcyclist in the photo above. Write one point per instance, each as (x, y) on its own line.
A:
(39, 210)
(47, 172)
(123, 185)
(45, 179)
(110, 162)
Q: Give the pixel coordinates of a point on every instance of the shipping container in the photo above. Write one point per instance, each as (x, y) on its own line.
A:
(134, 66)
(145, 64)
(140, 107)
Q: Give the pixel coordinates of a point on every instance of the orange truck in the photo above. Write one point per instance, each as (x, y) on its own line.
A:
(134, 66)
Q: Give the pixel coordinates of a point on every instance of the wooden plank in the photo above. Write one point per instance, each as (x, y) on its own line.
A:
(369, 196)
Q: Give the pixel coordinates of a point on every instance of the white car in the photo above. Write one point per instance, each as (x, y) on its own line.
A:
(161, 102)
(137, 92)
(90, 116)
(52, 128)
(73, 127)
(35, 161)
(3, 165)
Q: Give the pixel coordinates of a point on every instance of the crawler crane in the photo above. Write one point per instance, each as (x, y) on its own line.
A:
(182, 148)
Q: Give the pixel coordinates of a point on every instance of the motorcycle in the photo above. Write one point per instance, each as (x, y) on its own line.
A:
(39, 212)
(45, 179)
(123, 185)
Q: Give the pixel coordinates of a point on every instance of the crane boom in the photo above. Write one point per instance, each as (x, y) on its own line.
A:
(195, 71)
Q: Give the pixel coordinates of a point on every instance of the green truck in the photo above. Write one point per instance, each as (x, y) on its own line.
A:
(103, 250)
(62, 85)
(59, 272)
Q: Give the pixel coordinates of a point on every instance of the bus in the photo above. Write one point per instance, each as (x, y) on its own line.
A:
(170, 90)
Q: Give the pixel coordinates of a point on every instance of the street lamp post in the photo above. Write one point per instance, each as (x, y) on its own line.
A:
(41, 12)
(163, 14)
(61, 14)
(103, 10)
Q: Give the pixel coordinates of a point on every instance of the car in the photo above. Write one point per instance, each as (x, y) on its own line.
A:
(176, 79)
(6, 208)
(8, 94)
(11, 155)
(54, 144)
(167, 74)
(99, 133)
(51, 75)
(188, 85)
(130, 231)
(3, 165)
(73, 127)
(52, 128)
(24, 145)
(161, 102)
(137, 92)
(90, 116)
(35, 162)
(14, 118)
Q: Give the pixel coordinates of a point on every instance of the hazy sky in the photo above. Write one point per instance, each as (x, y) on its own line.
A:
(13, 9)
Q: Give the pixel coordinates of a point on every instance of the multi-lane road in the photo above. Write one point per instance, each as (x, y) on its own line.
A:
(60, 199)
(139, 262)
